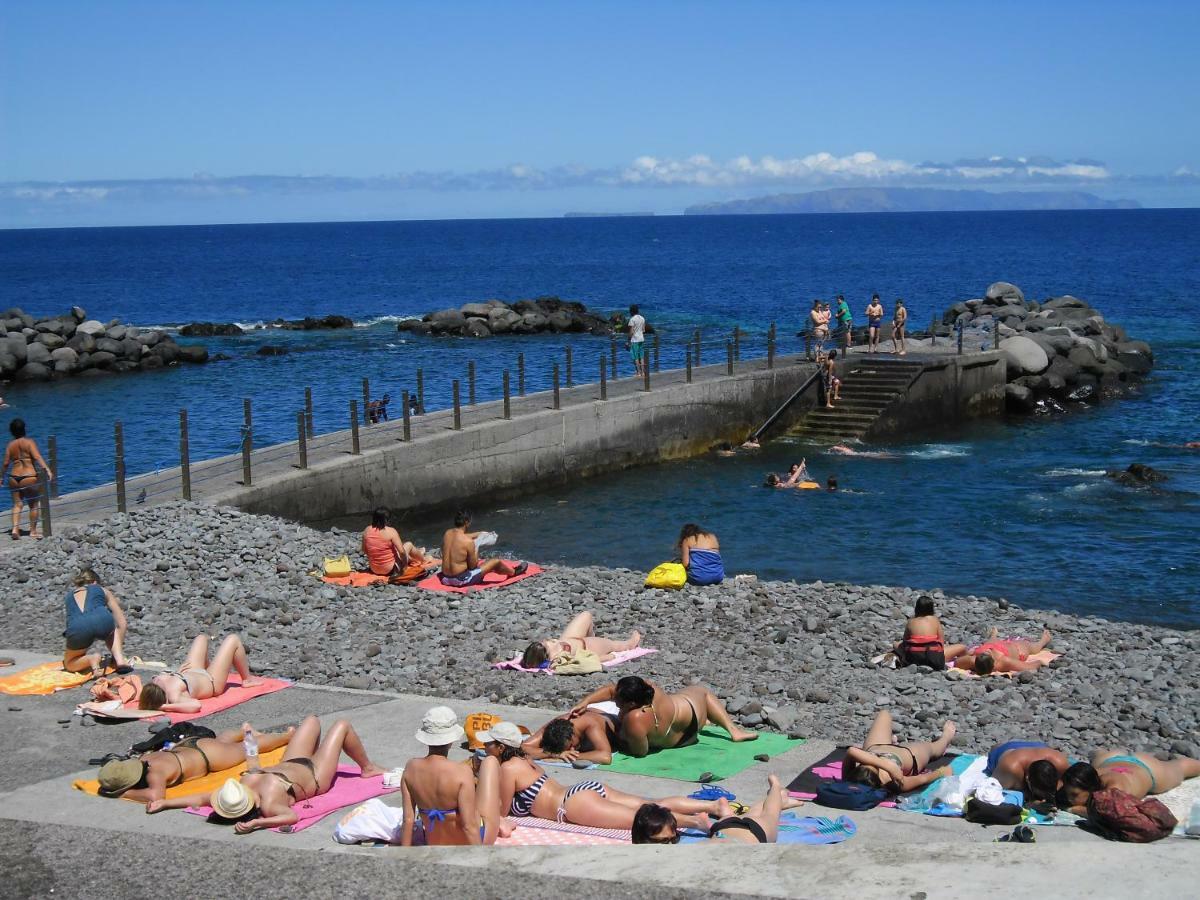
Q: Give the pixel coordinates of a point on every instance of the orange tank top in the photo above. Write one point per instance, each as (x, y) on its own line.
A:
(381, 555)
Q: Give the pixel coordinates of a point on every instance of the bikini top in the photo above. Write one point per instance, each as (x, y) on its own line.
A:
(894, 758)
(522, 801)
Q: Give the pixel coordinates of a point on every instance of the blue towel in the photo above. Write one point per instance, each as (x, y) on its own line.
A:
(794, 829)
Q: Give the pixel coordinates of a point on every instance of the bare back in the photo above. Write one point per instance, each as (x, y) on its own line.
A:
(459, 554)
(923, 626)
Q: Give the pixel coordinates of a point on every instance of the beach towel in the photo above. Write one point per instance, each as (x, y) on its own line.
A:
(829, 768)
(205, 785)
(234, 694)
(796, 829)
(366, 579)
(533, 832)
(44, 678)
(348, 788)
(623, 656)
(714, 752)
(1046, 656)
(433, 583)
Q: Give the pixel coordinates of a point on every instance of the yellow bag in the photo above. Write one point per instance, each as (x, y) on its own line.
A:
(670, 576)
(337, 567)
(582, 662)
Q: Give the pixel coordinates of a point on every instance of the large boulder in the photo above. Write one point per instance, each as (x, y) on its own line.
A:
(15, 344)
(447, 321)
(1137, 475)
(264, 350)
(1064, 302)
(192, 353)
(561, 320)
(477, 328)
(131, 349)
(34, 371)
(51, 341)
(416, 326)
(1085, 358)
(168, 351)
(108, 345)
(535, 321)
(1136, 360)
(1063, 368)
(1024, 356)
(82, 343)
(1003, 290)
(101, 359)
(8, 362)
(151, 361)
(50, 326)
(501, 319)
(37, 353)
(65, 359)
(92, 327)
(476, 310)
(79, 314)
(1019, 398)
(152, 338)
(116, 332)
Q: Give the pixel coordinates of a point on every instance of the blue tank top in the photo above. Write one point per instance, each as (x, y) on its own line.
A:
(93, 602)
(705, 567)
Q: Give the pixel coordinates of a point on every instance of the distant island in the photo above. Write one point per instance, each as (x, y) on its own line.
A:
(869, 199)
(604, 215)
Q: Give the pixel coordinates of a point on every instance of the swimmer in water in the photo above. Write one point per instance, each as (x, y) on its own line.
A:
(796, 474)
(752, 444)
(844, 450)
(725, 450)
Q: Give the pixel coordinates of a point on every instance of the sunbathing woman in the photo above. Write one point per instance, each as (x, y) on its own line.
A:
(388, 554)
(147, 777)
(588, 736)
(654, 824)
(897, 768)
(21, 461)
(700, 553)
(264, 799)
(996, 656)
(651, 719)
(450, 805)
(1137, 774)
(924, 641)
(580, 634)
(198, 679)
(526, 790)
(93, 614)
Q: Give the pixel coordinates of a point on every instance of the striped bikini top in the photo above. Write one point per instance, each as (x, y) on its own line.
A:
(522, 801)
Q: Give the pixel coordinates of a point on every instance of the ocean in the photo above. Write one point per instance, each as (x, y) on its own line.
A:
(1018, 509)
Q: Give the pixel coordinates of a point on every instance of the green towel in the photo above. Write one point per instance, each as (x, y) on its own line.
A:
(713, 752)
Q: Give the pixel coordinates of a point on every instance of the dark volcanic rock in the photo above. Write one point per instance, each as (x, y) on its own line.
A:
(211, 329)
(1137, 475)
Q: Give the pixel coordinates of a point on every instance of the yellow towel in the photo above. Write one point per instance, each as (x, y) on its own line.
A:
(205, 785)
(45, 678)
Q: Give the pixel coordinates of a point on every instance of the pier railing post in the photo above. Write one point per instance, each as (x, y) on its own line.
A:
(603, 378)
(737, 343)
(960, 338)
(366, 401)
(697, 338)
(557, 399)
(308, 412)
(689, 364)
(119, 440)
(301, 440)
(355, 444)
(247, 440)
(52, 446)
(44, 502)
(729, 357)
(933, 331)
(996, 336)
(613, 357)
(507, 398)
(771, 347)
(570, 368)
(185, 461)
(420, 392)
(457, 408)
(656, 342)
(520, 374)
(807, 345)
(407, 414)
(646, 375)
(471, 383)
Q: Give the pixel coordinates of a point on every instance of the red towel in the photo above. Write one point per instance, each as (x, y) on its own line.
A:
(494, 580)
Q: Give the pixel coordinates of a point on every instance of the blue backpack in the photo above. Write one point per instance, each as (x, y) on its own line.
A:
(850, 795)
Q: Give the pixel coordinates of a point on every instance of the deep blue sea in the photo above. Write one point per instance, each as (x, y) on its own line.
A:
(1017, 509)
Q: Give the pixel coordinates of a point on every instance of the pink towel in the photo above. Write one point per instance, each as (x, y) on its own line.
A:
(348, 788)
(834, 771)
(623, 656)
(530, 831)
(1045, 656)
(434, 583)
(234, 694)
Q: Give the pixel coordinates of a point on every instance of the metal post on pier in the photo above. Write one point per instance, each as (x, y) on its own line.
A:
(52, 447)
(933, 331)
(807, 345)
(729, 357)
(570, 368)
(688, 350)
(960, 338)
(457, 408)
(185, 461)
(355, 445)
(407, 433)
(557, 400)
(420, 392)
(520, 374)
(308, 414)
(507, 398)
(301, 440)
(119, 437)
(996, 336)
(247, 440)
(646, 375)
(613, 356)
(366, 401)
(656, 342)
(603, 379)
(471, 383)
(771, 347)
(44, 502)
(737, 343)
(697, 338)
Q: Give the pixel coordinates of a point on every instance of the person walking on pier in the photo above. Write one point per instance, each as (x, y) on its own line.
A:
(21, 461)
(637, 340)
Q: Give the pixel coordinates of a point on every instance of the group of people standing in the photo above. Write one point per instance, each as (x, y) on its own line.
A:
(821, 318)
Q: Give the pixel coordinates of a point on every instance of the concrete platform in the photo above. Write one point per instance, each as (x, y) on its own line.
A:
(55, 840)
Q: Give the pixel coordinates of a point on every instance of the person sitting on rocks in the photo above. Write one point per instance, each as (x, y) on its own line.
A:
(147, 777)
(389, 554)
(996, 656)
(198, 678)
(655, 824)
(700, 553)
(526, 790)
(264, 798)
(93, 614)
(650, 719)
(1031, 767)
(1137, 774)
(580, 634)
(461, 565)
(448, 803)
(924, 641)
(377, 410)
(897, 768)
(589, 737)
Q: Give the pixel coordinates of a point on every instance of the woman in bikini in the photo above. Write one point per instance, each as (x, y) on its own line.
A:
(655, 824)
(897, 768)
(198, 679)
(1137, 774)
(146, 778)
(526, 790)
(874, 321)
(899, 320)
(830, 380)
(924, 641)
(700, 553)
(447, 803)
(580, 634)
(995, 656)
(93, 614)
(21, 462)
(264, 799)
(389, 554)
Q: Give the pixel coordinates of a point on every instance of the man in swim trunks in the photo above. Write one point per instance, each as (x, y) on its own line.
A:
(1031, 767)
(637, 339)
(651, 719)
(461, 565)
(588, 736)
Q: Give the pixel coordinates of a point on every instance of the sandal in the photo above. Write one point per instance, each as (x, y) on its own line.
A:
(712, 792)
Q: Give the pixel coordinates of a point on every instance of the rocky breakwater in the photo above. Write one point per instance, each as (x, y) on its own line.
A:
(541, 315)
(72, 344)
(1059, 350)
(231, 329)
(784, 656)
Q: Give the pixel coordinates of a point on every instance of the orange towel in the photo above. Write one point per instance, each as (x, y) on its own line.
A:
(205, 785)
(363, 579)
(45, 678)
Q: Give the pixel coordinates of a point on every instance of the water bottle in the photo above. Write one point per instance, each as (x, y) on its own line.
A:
(250, 744)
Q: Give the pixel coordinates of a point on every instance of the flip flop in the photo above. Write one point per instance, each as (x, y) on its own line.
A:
(520, 569)
(712, 792)
(706, 777)
(7, 661)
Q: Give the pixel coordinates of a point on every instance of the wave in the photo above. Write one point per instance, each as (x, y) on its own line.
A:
(940, 451)
(381, 320)
(1140, 442)
(1064, 473)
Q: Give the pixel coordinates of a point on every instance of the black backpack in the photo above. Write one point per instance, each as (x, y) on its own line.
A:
(850, 795)
(172, 734)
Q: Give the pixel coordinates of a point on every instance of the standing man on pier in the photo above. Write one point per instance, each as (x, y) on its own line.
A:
(637, 340)
(845, 320)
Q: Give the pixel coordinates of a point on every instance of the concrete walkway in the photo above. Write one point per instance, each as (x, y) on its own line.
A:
(57, 840)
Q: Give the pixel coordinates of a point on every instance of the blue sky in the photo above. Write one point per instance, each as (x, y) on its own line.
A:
(123, 112)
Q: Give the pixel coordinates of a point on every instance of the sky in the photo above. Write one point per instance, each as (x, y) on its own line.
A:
(181, 112)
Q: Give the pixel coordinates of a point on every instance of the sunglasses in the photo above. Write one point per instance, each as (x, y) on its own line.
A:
(673, 839)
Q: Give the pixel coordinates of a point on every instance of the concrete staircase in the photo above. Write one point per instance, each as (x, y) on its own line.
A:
(869, 386)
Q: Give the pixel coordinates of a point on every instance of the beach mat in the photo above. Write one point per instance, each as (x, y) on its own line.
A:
(829, 768)
(530, 831)
(713, 752)
(205, 785)
(623, 656)
(348, 788)
(434, 583)
(797, 829)
(44, 678)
